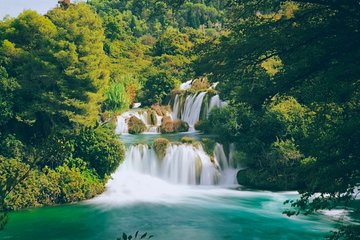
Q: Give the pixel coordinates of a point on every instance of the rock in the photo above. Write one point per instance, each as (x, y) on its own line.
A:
(169, 126)
(135, 125)
(152, 117)
(160, 146)
(181, 126)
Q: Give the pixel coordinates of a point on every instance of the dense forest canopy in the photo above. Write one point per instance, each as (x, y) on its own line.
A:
(289, 70)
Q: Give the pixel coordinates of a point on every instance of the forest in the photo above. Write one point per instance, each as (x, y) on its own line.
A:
(289, 71)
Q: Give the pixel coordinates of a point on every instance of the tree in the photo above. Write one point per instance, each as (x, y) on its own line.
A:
(309, 50)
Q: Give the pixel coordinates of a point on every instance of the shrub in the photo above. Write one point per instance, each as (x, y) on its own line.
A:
(208, 145)
(101, 149)
(135, 125)
(188, 140)
(116, 98)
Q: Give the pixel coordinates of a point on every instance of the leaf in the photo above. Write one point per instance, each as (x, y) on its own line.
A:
(130, 237)
(151, 236)
(136, 234)
(124, 236)
(143, 236)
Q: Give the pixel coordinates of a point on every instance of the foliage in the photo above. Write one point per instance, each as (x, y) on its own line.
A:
(100, 149)
(171, 126)
(208, 145)
(116, 98)
(152, 117)
(293, 66)
(188, 140)
(157, 87)
(53, 72)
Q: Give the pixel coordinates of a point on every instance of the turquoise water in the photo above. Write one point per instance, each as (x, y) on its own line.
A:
(137, 201)
(204, 214)
(129, 139)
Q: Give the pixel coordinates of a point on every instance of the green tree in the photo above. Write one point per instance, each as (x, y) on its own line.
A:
(309, 50)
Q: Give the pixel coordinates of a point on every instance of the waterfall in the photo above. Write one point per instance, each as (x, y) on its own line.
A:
(122, 121)
(183, 164)
(192, 109)
(176, 107)
(196, 106)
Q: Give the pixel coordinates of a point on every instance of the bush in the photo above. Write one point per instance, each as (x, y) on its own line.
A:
(208, 145)
(157, 86)
(203, 125)
(135, 125)
(160, 146)
(100, 148)
(188, 140)
(116, 98)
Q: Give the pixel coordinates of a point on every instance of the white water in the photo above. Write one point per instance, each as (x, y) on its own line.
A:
(190, 111)
(186, 85)
(122, 121)
(145, 177)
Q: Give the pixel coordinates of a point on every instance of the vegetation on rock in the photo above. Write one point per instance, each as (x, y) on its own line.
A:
(160, 146)
(135, 125)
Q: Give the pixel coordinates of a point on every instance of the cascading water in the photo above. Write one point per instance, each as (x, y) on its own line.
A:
(122, 121)
(144, 176)
(192, 109)
(183, 164)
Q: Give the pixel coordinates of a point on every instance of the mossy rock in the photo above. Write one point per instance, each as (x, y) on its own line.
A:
(152, 117)
(180, 126)
(158, 109)
(135, 125)
(208, 145)
(169, 126)
(160, 146)
(203, 125)
(200, 84)
(188, 140)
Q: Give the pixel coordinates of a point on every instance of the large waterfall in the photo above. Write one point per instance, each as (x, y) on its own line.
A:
(145, 177)
(182, 164)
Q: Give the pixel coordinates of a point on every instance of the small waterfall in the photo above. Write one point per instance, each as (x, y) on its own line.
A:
(196, 106)
(176, 107)
(219, 155)
(192, 109)
(122, 121)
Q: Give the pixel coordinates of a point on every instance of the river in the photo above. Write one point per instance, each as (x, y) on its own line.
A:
(185, 195)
